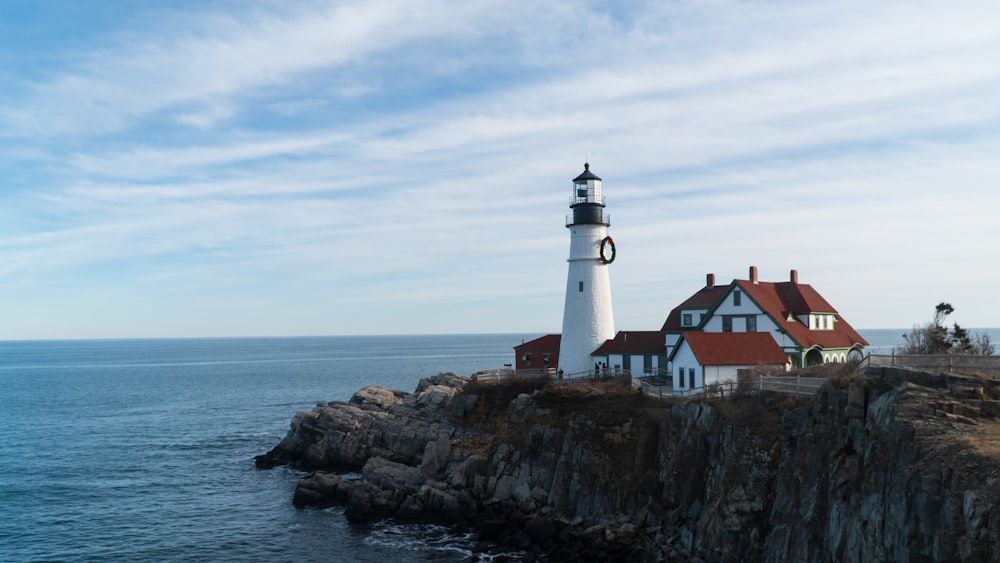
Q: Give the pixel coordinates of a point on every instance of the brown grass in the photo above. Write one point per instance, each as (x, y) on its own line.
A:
(476, 445)
(985, 444)
(584, 391)
(839, 375)
(493, 399)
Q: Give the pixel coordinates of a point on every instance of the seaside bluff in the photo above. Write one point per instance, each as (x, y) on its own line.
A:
(894, 465)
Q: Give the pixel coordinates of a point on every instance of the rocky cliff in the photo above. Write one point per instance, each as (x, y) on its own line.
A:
(895, 465)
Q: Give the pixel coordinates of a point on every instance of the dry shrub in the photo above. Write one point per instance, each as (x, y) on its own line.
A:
(759, 412)
(580, 391)
(477, 445)
(493, 398)
(845, 377)
(839, 375)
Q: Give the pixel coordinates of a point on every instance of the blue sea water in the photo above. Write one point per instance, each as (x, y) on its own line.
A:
(128, 450)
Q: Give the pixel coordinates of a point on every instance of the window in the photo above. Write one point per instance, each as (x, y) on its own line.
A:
(752, 324)
(680, 374)
(686, 319)
(581, 287)
(727, 324)
(691, 378)
(737, 298)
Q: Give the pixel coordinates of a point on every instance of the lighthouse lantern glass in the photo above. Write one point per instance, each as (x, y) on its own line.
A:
(587, 192)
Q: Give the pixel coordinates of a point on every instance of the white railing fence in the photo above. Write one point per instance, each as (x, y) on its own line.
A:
(790, 384)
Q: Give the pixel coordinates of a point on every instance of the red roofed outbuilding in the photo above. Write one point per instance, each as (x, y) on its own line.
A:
(638, 351)
(540, 353)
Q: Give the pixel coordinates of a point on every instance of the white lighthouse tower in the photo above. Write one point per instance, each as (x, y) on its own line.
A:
(587, 318)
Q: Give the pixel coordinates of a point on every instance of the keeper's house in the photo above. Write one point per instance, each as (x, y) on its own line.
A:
(801, 325)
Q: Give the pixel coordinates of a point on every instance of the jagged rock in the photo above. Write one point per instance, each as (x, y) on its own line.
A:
(375, 397)
(436, 453)
(445, 379)
(464, 472)
(319, 490)
(856, 398)
(375, 422)
(989, 409)
(900, 465)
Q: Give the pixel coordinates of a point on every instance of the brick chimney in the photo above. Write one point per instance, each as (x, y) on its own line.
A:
(794, 276)
(753, 274)
(709, 281)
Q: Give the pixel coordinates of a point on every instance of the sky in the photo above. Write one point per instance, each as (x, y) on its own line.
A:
(271, 168)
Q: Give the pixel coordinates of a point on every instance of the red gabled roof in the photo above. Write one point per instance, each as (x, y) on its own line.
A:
(735, 348)
(634, 342)
(547, 342)
(704, 299)
(779, 300)
(801, 298)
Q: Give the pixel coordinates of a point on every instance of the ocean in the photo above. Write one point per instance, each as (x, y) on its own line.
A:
(126, 450)
(129, 450)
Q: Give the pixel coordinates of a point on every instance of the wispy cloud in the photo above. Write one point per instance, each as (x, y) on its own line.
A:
(208, 57)
(381, 158)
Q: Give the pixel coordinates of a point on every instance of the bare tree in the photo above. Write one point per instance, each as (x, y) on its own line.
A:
(933, 337)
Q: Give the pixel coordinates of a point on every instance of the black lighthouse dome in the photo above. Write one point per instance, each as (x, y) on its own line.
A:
(586, 175)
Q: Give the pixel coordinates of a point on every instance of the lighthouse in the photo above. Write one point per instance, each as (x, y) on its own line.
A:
(587, 318)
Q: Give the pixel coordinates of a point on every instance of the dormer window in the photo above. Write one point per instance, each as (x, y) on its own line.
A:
(821, 322)
(687, 319)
